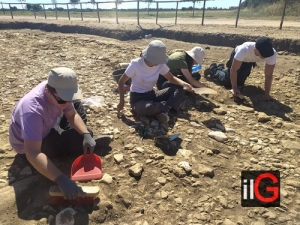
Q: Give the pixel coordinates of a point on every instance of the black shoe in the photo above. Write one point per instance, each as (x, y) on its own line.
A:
(221, 66)
(162, 117)
(103, 140)
(213, 68)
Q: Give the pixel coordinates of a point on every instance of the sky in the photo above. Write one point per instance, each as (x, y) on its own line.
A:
(213, 3)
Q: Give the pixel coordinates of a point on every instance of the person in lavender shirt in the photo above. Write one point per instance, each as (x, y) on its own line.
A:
(32, 134)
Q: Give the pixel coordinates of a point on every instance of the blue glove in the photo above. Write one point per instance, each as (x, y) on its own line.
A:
(88, 143)
(68, 187)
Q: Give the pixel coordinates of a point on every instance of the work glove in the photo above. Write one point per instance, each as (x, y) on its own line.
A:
(68, 187)
(88, 143)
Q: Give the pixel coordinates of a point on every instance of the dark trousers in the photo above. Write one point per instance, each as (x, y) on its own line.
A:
(154, 102)
(69, 142)
(162, 82)
(223, 75)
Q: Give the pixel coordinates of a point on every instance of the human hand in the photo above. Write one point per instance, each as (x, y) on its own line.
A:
(68, 187)
(188, 87)
(88, 143)
(120, 106)
(235, 92)
(268, 98)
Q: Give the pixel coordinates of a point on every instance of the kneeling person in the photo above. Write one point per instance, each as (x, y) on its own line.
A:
(241, 61)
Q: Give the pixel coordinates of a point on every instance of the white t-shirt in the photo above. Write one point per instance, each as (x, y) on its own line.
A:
(143, 77)
(245, 53)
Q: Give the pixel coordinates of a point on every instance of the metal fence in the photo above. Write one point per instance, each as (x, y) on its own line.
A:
(58, 8)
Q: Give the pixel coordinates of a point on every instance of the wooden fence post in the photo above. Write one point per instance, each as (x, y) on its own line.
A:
(176, 13)
(44, 12)
(156, 12)
(203, 12)
(11, 13)
(3, 8)
(238, 14)
(98, 13)
(81, 11)
(117, 20)
(56, 10)
(193, 8)
(283, 14)
(68, 11)
(138, 12)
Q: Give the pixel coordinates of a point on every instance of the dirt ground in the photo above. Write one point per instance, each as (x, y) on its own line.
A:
(260, 136)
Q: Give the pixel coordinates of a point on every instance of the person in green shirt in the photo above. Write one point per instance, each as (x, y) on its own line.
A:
(181, 64)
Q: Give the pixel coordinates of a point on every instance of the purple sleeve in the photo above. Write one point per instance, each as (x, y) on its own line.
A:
(32, 127)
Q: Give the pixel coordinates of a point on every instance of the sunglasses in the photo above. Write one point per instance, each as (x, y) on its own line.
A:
(59, 101)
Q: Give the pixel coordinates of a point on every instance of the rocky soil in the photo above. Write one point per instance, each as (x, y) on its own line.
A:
(199, 182)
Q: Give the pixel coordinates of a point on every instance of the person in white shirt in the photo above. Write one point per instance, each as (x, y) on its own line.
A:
(144, 72)
(241, 61)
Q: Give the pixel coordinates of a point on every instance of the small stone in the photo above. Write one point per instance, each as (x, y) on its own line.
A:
(106, 179)
(194, 124)
(185, 165)
(278, 123)
(219, 111)
(178, 172)
(140, 149)
(277, 150)
(118, 158)
(246, 109)
(253, 160)
(162, 180)
(263, 118)
(178, 201)
(218, 135)
(161, 195)
(223, 202)
(228, 222)
(206, 170)
(136, 170)
(270, 215)
(129, 147)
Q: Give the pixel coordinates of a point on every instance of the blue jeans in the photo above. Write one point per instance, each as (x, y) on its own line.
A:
(223, 75)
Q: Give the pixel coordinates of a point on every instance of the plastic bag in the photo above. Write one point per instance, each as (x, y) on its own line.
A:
(196, 68)
(97, 101)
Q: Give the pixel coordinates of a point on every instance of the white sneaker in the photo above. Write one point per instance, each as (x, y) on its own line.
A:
(162, 117)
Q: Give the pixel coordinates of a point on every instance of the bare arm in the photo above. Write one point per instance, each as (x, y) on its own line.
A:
(177, 81)
(40, 161)
(121, 84)
(190, 79)
(76, 122)
(236, 64)
(269, 69)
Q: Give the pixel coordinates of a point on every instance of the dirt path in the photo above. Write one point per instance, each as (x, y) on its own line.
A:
(207, 21)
